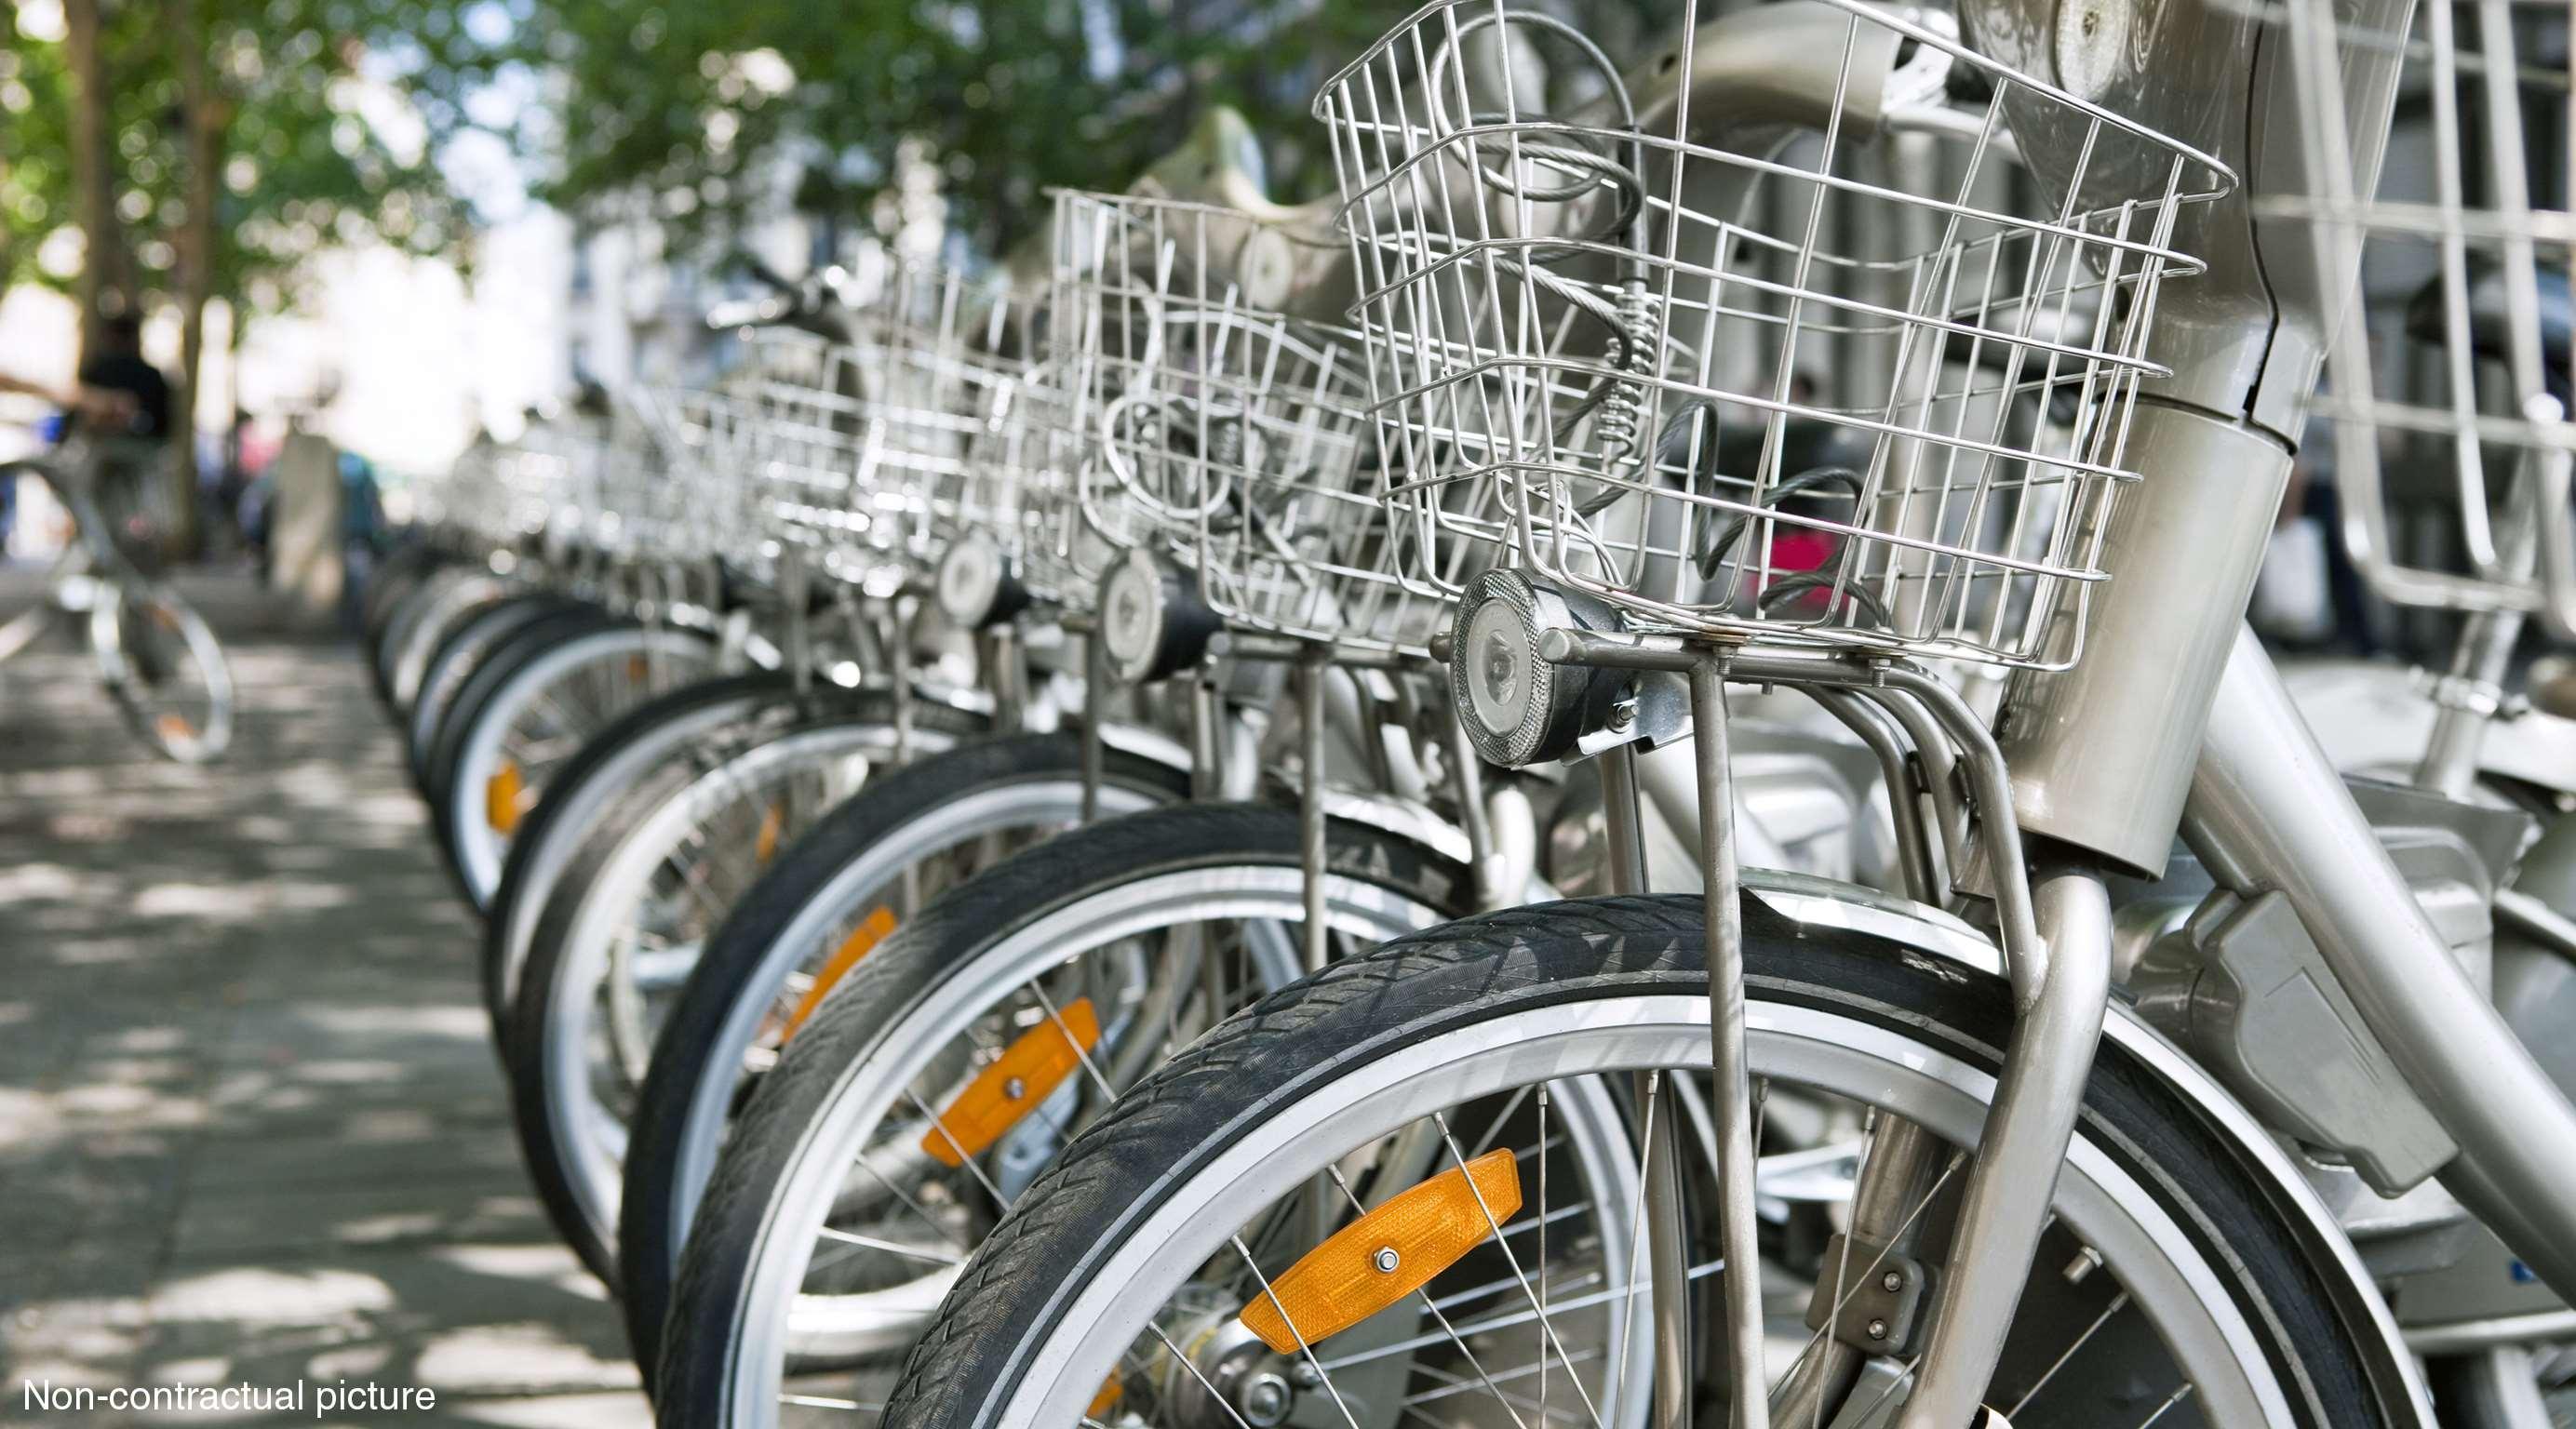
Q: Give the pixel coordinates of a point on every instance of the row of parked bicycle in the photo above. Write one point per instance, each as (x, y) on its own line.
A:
(1475, 804)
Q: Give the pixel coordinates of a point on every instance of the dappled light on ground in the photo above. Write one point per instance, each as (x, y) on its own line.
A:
(251, 1128)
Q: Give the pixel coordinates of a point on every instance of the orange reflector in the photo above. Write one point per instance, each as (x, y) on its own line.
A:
(1013, 1085)
(1109, 1394)
(175, 726)
(876, 929)
(501, 795)
(638, 668)
(773, 823)
(1388, 1253)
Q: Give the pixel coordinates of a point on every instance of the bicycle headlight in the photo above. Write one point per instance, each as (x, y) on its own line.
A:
(1151, 622)
(1518, 708)
(976, 587)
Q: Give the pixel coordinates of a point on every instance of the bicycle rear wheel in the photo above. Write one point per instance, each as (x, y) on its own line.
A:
(166, 671)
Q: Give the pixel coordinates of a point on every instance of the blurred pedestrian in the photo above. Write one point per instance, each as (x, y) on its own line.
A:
(246, 454)
(362, 531)
(132, 487)
(120, 367)
(104, 407)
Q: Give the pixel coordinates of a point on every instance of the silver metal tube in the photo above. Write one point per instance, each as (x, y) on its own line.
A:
(1904, 801)
(1207, 739)
(902, 691)
(1731, 1072)
(1895, 1176)
(2461, 1336)
(1314, 668)
(2266, 794)
(2005, 1209)
(1005, 676)
(1939, 761)
(2102, 754)
(1095, 718)
(1668, 1254)
(1625, 839)
(1667, 1247)
(1467, 784)
(2467, 701)
(796, 632)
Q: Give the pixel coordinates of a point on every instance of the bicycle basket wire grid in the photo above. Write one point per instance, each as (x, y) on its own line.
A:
(878, 453)
(686, 503)
(550, 479)
(1709, 343)
(2447, 375)
(1235, 440)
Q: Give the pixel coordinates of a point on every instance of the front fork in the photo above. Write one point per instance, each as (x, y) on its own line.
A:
(2056, 935)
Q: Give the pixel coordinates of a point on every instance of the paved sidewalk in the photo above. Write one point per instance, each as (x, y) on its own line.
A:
(251, 1127)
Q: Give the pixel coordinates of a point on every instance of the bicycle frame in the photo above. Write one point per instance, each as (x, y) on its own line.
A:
(2268, 812)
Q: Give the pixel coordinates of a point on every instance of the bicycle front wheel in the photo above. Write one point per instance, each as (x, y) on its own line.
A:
(499, 753)
(951, 1065)
(2165, 1292)
(841, 889)
(626, 924)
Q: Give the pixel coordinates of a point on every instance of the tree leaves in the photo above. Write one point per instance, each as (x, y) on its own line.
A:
(1008, 98)
(332, 113)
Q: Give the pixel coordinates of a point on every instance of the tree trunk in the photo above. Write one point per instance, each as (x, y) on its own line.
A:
(204, 120)
(93, 187)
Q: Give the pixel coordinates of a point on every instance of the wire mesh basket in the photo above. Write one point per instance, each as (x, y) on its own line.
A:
(1238, 442)
(2447, 375)
(876, 453)
(550, 479)
(1703, 339)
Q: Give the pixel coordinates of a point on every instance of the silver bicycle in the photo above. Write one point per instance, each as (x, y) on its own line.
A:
(157, 656)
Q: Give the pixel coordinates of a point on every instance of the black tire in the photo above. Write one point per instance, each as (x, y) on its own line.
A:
(751, 692)
(438, 772)
(439, 597)
(394, 582)
(158, 636)
(870, 1007)
(648, 1232)
(525, 644)
(1086, 1204)
(473, 636)
(523, 1044)
(484, 699)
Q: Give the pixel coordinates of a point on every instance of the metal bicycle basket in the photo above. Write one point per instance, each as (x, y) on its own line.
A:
(2447, 371)
(1767, 335)
(877, 453)
(1235, 441)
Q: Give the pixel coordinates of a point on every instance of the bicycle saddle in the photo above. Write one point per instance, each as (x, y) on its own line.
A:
(2491, 317)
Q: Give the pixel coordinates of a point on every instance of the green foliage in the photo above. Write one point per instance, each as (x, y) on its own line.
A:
(702, 107)
(331, 114)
